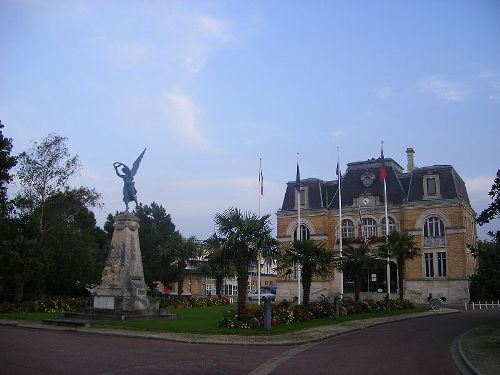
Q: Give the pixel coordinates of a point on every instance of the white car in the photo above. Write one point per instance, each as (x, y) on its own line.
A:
(264, 294)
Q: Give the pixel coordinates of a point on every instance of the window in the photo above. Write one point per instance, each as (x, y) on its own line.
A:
(434, 232)
(369, 227)
(304, 233)
(347, 228)
(392, 225)
(431, 186)
(435, 261)
(441, 258)
(429, 264)
(303, 197)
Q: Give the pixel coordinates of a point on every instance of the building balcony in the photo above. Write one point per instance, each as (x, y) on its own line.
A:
(434, 242)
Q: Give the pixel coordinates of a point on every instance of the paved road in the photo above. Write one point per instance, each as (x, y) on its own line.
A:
(416, 346)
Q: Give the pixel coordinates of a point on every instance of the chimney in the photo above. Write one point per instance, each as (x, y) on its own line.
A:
(409, 157)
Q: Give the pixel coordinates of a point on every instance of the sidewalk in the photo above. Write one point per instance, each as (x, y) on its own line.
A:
(290, 338)
(480, 349)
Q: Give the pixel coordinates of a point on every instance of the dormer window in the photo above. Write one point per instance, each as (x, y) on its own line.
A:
(431, 186)
(304, 199)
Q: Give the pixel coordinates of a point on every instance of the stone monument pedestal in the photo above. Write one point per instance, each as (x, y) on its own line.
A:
(122, 292)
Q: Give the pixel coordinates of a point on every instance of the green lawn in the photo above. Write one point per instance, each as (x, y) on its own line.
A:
(205, 319)
(30, 316)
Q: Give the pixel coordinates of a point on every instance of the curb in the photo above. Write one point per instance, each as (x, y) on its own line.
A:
(464, 358)
(285, 339)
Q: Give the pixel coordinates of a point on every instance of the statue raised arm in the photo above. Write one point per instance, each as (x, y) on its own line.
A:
(129, 190)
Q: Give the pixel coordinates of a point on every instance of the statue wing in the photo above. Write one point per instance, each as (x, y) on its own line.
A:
(135, 166)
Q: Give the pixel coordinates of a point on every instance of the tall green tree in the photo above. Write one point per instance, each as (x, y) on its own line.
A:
(7, 162)
(180, 251)
(485, 284)
(73, 245)
(217, 264)
(354, 263)
(315, 261)
(245, 236)
(156, 231)
(50, 212)
(401, 247)
(493, 209)
(44, 170)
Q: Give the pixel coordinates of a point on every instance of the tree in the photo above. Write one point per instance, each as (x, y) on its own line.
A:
(180, 251)
(73, 246)
(44, 170)
(156, 231)
(54, 215)
(7, 162)
(401, 247)
(217, 264)
(245, 236)
(354, 262)
(314, 259)
(493, 210)
(485, 284)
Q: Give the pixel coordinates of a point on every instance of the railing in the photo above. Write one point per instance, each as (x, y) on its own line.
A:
(434, 242)
(483, 305)
(317, 291)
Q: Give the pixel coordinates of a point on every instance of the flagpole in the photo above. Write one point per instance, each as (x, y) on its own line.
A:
(339, 176)
(258, 250)
(299, 231)
(386, 226)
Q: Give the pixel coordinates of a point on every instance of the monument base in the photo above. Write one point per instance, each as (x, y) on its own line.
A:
(105, 314)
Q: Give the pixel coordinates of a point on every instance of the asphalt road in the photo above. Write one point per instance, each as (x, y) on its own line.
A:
(415, 346)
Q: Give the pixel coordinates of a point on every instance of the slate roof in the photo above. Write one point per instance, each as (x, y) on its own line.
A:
(401, 187)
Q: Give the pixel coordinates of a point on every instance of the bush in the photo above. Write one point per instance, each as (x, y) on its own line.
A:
(46, 305)
(186, 302)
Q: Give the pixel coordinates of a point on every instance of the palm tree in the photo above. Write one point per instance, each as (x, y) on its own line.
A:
(217, 265)
(246, 235)
(180, 251)
(314, 259)
(354, 262)
(401, 247)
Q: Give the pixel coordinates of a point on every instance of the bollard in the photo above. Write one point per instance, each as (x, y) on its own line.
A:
(336, 303)
(267, 315)
(473, 305)
(387, 304)
(465, 303)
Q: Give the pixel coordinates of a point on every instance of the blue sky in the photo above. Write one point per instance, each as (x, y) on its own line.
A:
(209, 87)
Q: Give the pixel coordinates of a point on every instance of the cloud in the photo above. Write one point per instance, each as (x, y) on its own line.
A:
(446, 90)
(185, 119)
(133, 52)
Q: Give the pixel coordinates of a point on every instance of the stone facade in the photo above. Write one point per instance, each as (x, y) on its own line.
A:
(430, 202)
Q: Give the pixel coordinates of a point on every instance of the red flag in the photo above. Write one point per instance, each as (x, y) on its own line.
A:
(383, 172)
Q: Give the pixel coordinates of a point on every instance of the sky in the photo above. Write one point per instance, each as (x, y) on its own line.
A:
(211, 87)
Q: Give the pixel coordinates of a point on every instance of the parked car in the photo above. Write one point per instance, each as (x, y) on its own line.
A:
(270, 288)
(264, 294)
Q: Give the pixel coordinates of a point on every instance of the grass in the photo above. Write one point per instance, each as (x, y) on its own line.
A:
(30, 316)
(205, 319)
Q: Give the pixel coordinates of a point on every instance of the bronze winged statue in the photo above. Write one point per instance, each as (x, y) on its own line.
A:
(129, 190)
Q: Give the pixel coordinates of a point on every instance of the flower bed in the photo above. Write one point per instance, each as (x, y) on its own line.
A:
(285, 312)
(186, 302)
(45, 305)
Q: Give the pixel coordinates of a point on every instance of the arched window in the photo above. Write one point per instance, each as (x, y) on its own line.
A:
(369, 227)
(434, 235)
(347, 228)
(392, 226)
(304, 233)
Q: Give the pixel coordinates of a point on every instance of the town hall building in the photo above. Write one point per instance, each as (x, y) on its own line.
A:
(429, 202)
